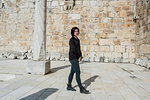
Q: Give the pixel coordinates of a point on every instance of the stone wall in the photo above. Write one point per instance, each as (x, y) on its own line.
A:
(143, 28)
(16, 25)
(107, 29)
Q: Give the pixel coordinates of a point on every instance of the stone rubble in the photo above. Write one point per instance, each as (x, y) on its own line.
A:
(143, 62)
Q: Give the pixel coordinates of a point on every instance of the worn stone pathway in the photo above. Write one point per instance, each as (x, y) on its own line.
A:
(106, 81)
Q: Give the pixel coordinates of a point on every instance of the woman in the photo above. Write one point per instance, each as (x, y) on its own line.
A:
(75, 56)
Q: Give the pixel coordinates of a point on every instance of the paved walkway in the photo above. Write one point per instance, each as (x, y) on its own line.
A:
(106, 81)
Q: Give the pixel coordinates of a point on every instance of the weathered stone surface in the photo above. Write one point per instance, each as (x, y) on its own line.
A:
(106, 59)
(55, 55)
(38, 67)
(12, 56)
(86, 59)
(39, 37)
(125, 60)
(137, 62)
(74, 16)
(92, 59)
(148, 65)
(66, 59)
(6, 77)
(101, 59)
(105, 27)
(62, 58)
(144, 61)
(140, 62)
(117, 60)
(142, 30)
(112, 60)
(97, 59)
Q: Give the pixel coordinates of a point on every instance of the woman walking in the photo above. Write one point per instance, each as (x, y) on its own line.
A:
(75, 56)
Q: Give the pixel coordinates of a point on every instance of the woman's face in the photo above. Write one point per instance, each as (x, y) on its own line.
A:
(76, 32)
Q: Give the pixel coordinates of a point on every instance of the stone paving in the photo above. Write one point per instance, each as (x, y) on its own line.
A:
(106, 81)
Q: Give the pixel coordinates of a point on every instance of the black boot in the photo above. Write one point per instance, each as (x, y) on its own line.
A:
(83, 90)
(69, 87)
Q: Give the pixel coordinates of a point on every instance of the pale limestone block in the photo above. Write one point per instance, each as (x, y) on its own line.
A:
(148, 65)
(117, 60)
(112, 60)
(86, 59)
(125, 60)
(92, 59)
(116, 54)
(12, 56)
(137, 61)
(38, 67)
(54, 3)
(61, 3)
(106, 59)
(140, 62)
(144, 61)
(66, 59)
(55, 55)
(62, 58)
(93, 3)
(119, 48)
(125, 55)
(97, 59)
(111, 48)
(86, 3)
(74, 16)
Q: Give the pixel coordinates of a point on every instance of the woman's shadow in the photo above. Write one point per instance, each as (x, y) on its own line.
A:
(40, 95)
(88, 81)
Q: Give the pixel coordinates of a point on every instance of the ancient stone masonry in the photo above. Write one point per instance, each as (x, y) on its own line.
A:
(107, 30)
(110, 30)
(143, 32)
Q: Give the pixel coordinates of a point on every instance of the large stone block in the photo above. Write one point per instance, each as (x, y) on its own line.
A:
(144, 61)
(117, 60)
(112, 60)
(148, 65)
(86, 59)
(97, 59)
(54, 3)
(104, 48)
(92, 59)
(104, 41)
(74, 16)
(119, 48)
(125, 60)
(106, 59)
(137, 62)
(38, 67)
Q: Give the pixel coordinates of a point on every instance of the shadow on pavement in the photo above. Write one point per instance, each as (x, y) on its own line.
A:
(40, 95)
(88, 81)
(53, 70)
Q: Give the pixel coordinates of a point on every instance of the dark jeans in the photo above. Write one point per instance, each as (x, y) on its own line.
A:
(74, 69)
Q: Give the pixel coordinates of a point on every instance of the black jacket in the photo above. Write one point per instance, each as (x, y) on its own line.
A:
(74, 48)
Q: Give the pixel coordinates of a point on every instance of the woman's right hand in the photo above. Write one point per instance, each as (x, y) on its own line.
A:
(80, 58)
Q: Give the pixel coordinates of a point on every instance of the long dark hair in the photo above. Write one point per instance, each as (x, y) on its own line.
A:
(73, 30)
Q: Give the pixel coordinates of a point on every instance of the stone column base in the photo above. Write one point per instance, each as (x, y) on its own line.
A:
(38, 67)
